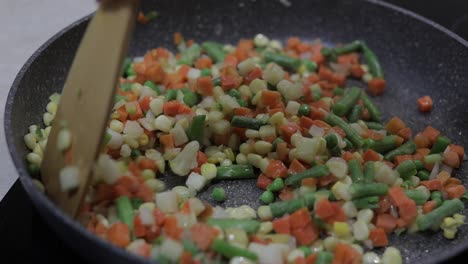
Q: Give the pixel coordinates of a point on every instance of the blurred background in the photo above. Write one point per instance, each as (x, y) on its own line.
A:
(26, 25)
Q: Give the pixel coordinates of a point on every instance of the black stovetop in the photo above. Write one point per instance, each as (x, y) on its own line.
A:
(26, 238)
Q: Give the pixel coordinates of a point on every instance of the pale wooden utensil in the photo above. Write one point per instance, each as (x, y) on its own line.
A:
(86, 100)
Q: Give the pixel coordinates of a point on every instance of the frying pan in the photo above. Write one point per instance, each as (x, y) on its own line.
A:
(419, 58)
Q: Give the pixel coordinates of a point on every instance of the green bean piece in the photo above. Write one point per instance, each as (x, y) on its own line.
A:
(267, 197)
(197, 128)
(205, 72)
(419, 164)
(276, 185)
(218, 194)
(440, 145)
(214, 50)
(423, 175)
(358, 190)
(332, 140)
(369, 172)
(304, 110)
(416, 195)
(235, 93)
(351, 134)
(324, 257)
(338, 91)
(372, 61)
(130, 70)
(282, 60)
(171, 95)
(287, 207)
(311, 66)
(125, 87)
(383, 145)
(347, 102)
(216, 81)
(275, 143)
(348, 48)
(230, 251)
(248, 225)
(233, 172)
(405, 149)
(153, 86)
(355, 114)
(371, 107)
(371, 202)
(190, 54)
(247, 122)
(190, 246)
(136, 202)
(242, 102)
(438, 197)
(355, 171)
(435, 217)
(406, 169)
(315, 172)
(348, 145)
(125, 210)
(375, 125)
(433, 158)
(125, 65)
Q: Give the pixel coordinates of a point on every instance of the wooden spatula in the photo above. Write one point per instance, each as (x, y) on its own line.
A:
(86, 101)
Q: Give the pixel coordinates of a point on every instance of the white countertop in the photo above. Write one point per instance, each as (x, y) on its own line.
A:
(26, 25)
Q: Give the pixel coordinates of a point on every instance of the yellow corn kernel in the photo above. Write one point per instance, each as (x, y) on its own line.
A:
(143, 140)
(341, 229)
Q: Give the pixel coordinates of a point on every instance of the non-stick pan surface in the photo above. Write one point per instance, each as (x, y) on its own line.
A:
(418, 56)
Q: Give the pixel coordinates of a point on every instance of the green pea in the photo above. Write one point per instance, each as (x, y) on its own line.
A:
(267, 197)
(304, 110)
(218, 194)
(276, 185)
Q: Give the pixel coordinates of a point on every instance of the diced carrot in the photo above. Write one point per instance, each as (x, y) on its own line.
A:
(456, 191)
(423, 151)
(242, 111)
(432, 185)
(155, 73)
(394, 125)
(256, 239)
(371, 155)
(306, 235)
(378, 237)
(324, 209)
(296, 167)
(347, 155)
(351, 58)
(327, 180)
(171, 108)
(104, 192)
(293, 42)
(422, 141)
(398, 141)
(384, 205)
(186, 258)
(338, 79)
(167, 141)
(325, 73)
(270, 98)
(286, 194)
(147, 164)
(263, 181)
(204, 85)
(288, 130)
(325, 126)
(306, 122)
(300, 218)
(276, 169)
(309, 182)
(256, 73)
(405, 133)
(184, 109)
(386, 221)
(425, 104)
(282, 150)
(458, 149)
(429, 206)
(377, 86)
(139, 230)
(451, 159)
(311, 258)
(356, 71)
(397, 195)
(230, 60)
(201, 158)
(431, 133)
(408, 211)
(122, 114)
(145, 103)
(172, 229)
(203, 235)
(318, 58)
(178, 38)
(443, 177)
(119, 235)
(399, 159)
(203, 62)
(138, 112)
(451, 182)
(345, 254)
(282, 225)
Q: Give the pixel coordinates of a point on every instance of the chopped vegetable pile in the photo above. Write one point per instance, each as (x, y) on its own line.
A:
(337, 179)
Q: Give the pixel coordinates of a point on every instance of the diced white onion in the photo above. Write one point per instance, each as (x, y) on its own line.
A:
(316, 131)
(133, 129)
(69, 178)
(435, 171)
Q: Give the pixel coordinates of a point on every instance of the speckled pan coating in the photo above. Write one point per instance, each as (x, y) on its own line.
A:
(418, 56)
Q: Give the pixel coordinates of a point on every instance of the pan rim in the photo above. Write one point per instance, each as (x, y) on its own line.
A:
(39, 198)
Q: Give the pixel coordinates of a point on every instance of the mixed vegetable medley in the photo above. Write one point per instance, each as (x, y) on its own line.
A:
(337, 179)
